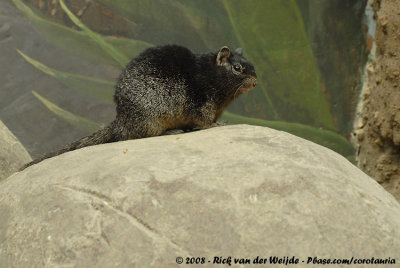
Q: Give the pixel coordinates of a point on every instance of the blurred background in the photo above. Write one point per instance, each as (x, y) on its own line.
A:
(60, 60)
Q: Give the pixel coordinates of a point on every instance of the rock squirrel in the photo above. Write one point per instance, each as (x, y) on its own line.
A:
(169, 87)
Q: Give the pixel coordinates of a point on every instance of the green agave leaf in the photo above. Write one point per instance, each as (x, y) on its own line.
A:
(162, 21)
(129, 47)
(273, 35)
(320, 136)
(210, 20)
(114, 53)
(70, 118)
(98, 88)
(78, 42)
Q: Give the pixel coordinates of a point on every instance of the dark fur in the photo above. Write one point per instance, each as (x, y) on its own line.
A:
(169, 87)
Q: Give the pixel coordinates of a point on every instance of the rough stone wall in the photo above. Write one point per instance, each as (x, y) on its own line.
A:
(379, 132)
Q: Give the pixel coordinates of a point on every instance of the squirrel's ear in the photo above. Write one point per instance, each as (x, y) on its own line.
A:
(239, 51)
(223, 55)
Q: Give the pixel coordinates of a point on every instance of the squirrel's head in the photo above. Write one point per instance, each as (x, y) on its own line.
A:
(240, 72)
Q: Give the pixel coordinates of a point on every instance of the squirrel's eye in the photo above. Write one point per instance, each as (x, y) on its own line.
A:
(237, 67)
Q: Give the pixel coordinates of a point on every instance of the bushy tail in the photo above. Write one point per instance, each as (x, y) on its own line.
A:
(104, 135)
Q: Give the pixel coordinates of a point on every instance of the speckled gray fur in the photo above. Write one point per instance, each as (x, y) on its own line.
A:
(169, 87)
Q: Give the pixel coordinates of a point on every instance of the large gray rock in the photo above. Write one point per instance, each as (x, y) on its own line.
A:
(12, 154)
(239, 191)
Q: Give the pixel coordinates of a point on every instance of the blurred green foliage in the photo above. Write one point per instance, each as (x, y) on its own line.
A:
(68, 117)
(272, 34)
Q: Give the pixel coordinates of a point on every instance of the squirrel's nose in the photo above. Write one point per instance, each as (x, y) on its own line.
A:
(255, 83)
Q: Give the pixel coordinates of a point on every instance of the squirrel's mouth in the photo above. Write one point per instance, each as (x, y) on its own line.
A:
(248, 84)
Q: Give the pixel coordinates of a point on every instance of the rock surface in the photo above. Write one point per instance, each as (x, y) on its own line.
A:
(12, 153)
(239, 191)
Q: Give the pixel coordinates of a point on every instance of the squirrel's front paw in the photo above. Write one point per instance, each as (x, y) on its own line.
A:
(173, 132)
(216, 124)
(220, 123)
